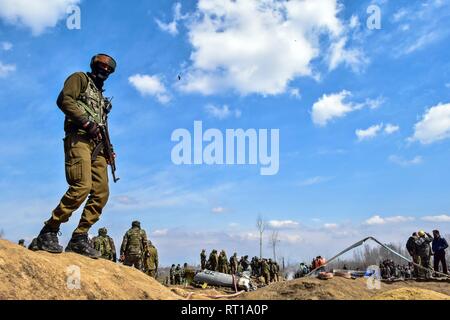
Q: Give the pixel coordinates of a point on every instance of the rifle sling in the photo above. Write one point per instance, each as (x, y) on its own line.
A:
(97, 150)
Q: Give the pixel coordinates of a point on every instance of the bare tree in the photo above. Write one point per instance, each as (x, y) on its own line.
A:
(261, 225)
(273, 242)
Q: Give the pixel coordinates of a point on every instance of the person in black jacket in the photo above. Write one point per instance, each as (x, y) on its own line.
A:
(439, 245)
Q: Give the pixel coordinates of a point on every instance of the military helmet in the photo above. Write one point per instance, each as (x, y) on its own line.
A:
(105, 61)
(421, 233)
(102, 231)
(136, 224)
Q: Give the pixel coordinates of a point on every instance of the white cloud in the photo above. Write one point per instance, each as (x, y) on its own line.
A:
(6, 46)
(354, 22)
(172, 27)
(331, 226)
(390, 128)
(440, 218)
(434, 125)
(295, 92)
(377, 220)
(36, 15)
(333, 106)
(368, 133)
(150, 86)
(160, 232)
(218, 210)
(405, 162)
(6, 69)
(254, 46)
(314, 180)
(374, 103)
(282, 224)
(354, 58)
(422, 42)
(222, 112)
(400, 14)
(373, 131)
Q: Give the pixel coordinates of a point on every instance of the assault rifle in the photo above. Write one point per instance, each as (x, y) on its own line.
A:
(104, 143)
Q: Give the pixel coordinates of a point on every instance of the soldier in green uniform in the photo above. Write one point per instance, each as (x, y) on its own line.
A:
(178, 275)
(265, 270)
(203, 259)
(223, 262)
(151, 260)
(105, 245)
(234, 263)
(213, 262)
(133, 246)
(172, 274)
(273, 270)
(85, 111)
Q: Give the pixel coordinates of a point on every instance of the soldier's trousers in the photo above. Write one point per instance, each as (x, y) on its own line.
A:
(86, 179)
(425, 262)
(133, 261)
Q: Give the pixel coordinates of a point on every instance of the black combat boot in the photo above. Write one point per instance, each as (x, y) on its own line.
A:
(47, 240)
(80, 244)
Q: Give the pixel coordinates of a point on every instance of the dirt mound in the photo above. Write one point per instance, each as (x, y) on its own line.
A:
(411, 294)
(40, 275)
(348, 289)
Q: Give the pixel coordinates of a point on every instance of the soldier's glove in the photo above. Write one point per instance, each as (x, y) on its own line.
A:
(92, 129)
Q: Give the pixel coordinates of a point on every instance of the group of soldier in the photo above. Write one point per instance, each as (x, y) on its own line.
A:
(136, 249)
(421, 246)
(177, 274)
(258, 267)
(389, 270)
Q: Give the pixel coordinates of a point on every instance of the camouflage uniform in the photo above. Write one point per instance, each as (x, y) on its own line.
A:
(234, 263)
(423, 250)
(213, 261)
(203, 259)
(105, 245)
(265, 270)
(172, 275)
(178, 275)
(223, 262)
(133, 245)
(151, 260)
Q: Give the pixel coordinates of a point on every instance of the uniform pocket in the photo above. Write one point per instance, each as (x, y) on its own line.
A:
(74, 170)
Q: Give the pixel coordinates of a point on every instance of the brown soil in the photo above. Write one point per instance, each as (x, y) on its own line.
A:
(347, 289)
(27, 275)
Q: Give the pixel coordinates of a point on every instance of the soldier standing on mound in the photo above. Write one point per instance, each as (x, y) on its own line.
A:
(85, 111)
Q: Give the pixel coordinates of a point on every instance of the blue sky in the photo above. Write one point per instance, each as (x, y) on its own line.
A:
(364, 118)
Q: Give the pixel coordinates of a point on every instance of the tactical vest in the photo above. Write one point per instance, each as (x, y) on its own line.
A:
(134, 243)
(93, 103)
(103, 245)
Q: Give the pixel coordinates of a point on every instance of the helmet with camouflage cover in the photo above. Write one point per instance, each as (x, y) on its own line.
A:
(136, 224)
(102, 232)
